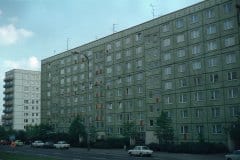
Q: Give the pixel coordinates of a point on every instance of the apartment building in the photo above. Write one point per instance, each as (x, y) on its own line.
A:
(21, 99)
(186, 63)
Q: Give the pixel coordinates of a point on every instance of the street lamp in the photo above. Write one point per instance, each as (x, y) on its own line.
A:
(88, 120)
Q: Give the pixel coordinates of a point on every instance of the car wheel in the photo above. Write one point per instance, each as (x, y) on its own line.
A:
(229, 159)
(140, 154)
(130, 154)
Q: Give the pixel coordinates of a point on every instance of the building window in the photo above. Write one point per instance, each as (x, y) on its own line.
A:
(212, 62)
(194, 18)
(181, 53)
(198, 113)
(195, 34)
(184, 130)
(196, 49)
(168, 100)
(213, 78)
(211, 29)
(168, 71)
(151, 123)
(179, 23)
(210, 13)
(183, 98)
(227, 7)
(198, 96)
(128, 53)
(181, 68)
(165, 28)
(118, 55)
(166, 42)
(214, 95)
(139, 76)
(138, 36)
(109, 58)
(184, 113)
(197, 81)
(232, 92)
(228, 24)
(129, 65)
(127, 40)
(234, 111)
(196, 65)
(217, 128)
(212, 45)
(230, 41)
(199, 129)
(183, 82)
(180, 38)
(139, 50)
(232, 76)
(168, 85)
(231, 58)
(167, 56)
(117, 44)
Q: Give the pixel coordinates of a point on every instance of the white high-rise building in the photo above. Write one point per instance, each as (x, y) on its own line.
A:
(21, 99)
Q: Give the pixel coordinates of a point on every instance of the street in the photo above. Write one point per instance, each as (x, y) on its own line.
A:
(104, 154)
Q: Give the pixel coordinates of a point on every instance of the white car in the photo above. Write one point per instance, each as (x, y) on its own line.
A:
(233, 156)
(62, 145)
(140, 151)
(37, 144)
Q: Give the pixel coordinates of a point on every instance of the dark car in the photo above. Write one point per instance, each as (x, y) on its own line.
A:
(48, 144)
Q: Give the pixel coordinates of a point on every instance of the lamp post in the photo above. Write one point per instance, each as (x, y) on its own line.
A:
(88, 120)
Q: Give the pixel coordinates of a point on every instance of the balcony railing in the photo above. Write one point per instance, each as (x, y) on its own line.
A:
(8, 79)
(8, 104)
(8, 91)
(7, 85)
(8, 98)
(8, 110)
(6, 117)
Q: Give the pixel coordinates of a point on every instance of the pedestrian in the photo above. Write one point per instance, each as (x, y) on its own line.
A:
(13, 145)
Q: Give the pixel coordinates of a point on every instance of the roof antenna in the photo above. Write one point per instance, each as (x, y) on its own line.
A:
(67, 43)
(114, 27)
(153, 10)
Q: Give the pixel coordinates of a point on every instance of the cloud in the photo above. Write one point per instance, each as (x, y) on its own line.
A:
(31, 63)
(10, 34)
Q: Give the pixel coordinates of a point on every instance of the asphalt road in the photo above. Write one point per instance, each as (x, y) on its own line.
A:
(104, 154)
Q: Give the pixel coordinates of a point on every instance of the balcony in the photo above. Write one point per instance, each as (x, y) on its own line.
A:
(8, 91)
(7, 123)
(8, 79)
(7, 117)
(8, 85)
(8, 104)
(8, 110)
(8, 98)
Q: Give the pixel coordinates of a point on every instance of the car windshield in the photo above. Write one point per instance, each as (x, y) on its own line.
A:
(145, 147)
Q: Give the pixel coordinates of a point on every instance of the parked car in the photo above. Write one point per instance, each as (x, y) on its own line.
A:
(18, 143)
(5, 142)
(233, 156)
(140, 151)
(37, 143)
(48, 144)
(62, 145)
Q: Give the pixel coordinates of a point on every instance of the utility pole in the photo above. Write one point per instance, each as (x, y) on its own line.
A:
(153, 10)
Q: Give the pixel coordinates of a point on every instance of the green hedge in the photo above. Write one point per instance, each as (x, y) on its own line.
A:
(111, 143)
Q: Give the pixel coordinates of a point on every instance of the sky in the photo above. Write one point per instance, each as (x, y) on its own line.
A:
(32, 30)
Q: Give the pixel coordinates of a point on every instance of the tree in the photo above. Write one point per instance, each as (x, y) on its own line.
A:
(77, 130)
(234, 132)
(130, 131)
(38, 131)
(164, 130)
(3, 133)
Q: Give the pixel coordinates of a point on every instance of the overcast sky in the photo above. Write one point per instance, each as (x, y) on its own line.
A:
(31, 30)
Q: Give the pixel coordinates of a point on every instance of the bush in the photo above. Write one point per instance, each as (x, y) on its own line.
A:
(111, 143)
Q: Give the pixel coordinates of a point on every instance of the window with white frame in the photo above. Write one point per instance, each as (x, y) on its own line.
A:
(217, 128)
(62, 81)
(139, 76)
(109, 47)
(168, 100)
(139, 50)
(213, 78)
(184, 130)
(195, 34)
(212, 62)
(139, 63)
(196, 65)
(129, 79)
(194, 18)
(181, 68)
(227, 7)
(179, 23)
(166, 42)
(180, 38)
(210, 13)
(232, 92)
(230, 41)
(214, 95)
(128, 53)
(168, 70)
(199, 129)
(118, 55)
(109, 58)
(232, 76)
(183, 98)
(138, 36)
(139, 89)
(228, 24)
(211, 29)
(109, 70)
(198, 96)
(181, 53)
(198, 113)
(129, 65)
(234, 111)
(197, 80)
(118, 68)
(212, 45)
(215, 112)
(183, 82)
(167, 56)
(62, 71)
(127, 40)
(231, 58)
(196, 49)
(184, 113)
(118, 44)
(165, 28)
(168, 85)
